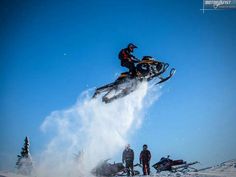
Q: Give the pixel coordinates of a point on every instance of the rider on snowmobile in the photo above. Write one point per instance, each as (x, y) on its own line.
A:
(127, 59)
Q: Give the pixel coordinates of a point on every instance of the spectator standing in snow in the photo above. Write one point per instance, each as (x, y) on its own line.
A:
(128, 159)
(144, 159)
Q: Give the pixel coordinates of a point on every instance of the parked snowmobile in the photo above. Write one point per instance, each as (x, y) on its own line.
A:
(147, 69)
(167, 164)
(107, 169)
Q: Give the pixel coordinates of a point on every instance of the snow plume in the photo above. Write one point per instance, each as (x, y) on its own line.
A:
(90, 131)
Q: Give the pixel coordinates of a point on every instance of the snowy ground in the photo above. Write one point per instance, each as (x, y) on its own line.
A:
(9, 174)
(225, 169)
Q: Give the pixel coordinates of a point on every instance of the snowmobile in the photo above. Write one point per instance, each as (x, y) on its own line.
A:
(147, 69)
(107, 169)
(167, 164)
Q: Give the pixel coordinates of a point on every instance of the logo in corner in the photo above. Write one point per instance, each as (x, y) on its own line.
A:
(218, 4)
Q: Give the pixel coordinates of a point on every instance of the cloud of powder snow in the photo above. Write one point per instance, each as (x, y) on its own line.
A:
(95, 129)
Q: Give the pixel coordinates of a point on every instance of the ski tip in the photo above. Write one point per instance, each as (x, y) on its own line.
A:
(172, 71)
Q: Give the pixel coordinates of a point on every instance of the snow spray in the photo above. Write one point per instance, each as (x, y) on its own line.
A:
(90, 131)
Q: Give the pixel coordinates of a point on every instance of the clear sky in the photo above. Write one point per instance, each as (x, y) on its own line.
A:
(51, 51)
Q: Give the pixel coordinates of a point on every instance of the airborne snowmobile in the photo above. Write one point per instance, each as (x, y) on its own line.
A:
(147, 69)
(167, 164)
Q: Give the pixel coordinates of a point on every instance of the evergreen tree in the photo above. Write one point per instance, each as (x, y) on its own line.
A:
(24, 163)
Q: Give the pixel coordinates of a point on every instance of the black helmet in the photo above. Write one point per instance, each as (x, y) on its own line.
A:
(145, 146)
(130, 45)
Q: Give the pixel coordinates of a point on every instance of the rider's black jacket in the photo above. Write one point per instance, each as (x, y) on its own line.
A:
(125, 54)
(145, 156)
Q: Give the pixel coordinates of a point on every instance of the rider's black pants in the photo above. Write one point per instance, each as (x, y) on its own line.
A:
(130, 66)
(146, 168)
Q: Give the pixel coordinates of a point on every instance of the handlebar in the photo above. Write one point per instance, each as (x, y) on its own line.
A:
(136, 60)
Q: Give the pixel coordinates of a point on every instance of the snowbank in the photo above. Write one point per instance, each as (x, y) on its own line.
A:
(225, 169)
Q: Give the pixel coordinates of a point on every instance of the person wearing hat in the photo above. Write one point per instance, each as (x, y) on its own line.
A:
(128, 159)
(144, 159)
(127, 59)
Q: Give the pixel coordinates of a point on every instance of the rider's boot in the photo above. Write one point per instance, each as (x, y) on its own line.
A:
(132, 74)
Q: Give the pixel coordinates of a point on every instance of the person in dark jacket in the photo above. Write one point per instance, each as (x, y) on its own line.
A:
(128, 159)
(144, 159)
(127, 59)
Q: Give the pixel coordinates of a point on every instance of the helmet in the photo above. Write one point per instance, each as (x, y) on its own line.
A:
(130, 45)
(145, 146)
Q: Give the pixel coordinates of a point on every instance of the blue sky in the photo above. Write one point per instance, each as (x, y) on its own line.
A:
(51, 51)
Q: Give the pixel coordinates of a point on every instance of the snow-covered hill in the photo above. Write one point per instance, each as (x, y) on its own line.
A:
(225, 169)
(9, 174)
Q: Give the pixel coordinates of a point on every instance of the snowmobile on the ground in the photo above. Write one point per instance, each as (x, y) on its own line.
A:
(167, 164)
(147, 69)
(107, 169)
